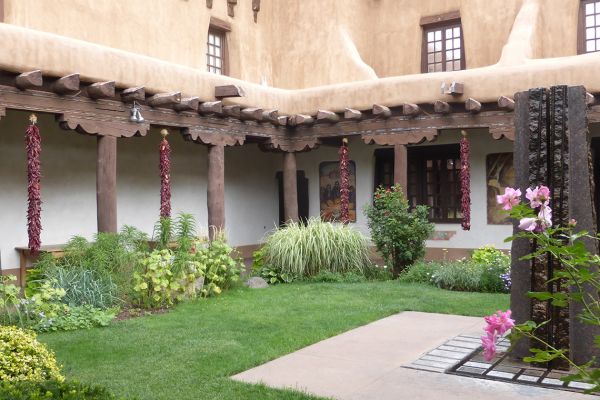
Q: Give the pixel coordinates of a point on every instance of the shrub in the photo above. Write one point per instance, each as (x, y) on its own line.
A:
(79, 317)
(271, 275)
(337, 277)
(22, 357)
(299, 250)
(461, 275)
(398, 232)
(420, 272)
(53, 389)
(222, 267)
(377, 273)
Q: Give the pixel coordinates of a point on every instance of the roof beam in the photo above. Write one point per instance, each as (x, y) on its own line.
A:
(381, 111)
(411, 110)
(300, 119)
(472, 105)
(252, 113)
(101, 90)
(327, 116)
(187, 104)
(66, 85)
(29, 80)
(130, 95)
(224, 91)
(232, 110)
(351, 113)
(441, 107)
(164, 99)
(506, 103)
(211, 107)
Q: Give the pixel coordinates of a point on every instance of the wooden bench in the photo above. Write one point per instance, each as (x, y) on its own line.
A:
(26, 258)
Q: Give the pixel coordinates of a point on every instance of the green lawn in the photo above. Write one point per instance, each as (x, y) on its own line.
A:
(190, 352)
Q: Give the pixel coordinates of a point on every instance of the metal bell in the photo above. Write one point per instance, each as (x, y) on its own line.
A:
(136, 115)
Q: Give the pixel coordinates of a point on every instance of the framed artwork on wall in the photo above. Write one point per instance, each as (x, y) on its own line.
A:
(329, 191)
(500, 173)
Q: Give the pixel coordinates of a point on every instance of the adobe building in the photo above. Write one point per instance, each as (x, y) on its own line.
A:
(257, 97)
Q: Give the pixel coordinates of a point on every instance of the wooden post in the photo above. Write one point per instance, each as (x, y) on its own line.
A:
(401, 167)
(290, 187)
(106, 183)
(216, 190)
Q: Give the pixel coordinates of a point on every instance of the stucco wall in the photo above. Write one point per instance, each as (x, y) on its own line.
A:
(69, 186)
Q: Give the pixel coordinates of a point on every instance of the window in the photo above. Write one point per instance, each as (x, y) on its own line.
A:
(589, 27)
(434, 180)
(216, 47)
(443, 48)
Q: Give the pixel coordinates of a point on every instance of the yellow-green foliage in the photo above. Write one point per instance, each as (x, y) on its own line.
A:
(22, 357)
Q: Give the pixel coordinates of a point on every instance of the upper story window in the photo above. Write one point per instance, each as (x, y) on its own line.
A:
(589, 27)
(216, 47)
(443, 46)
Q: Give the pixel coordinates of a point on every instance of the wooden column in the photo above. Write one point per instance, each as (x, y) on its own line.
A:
(216, 190)
(401, 167)
(106, 183)
(290, 187)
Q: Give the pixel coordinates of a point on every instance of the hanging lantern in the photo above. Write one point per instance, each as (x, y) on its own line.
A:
(33, 145)
(465, 182)
(344, 183)
(165, 175)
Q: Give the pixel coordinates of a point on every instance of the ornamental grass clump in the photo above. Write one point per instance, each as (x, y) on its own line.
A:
(299, 250)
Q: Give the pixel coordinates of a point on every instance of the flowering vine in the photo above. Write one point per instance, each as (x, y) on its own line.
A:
(465, 182)
(344, 183)
(165, 175)
(33, 145)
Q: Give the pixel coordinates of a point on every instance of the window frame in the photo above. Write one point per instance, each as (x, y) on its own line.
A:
(442, 22)
(219, 28)
(581, 37)
(418, 156)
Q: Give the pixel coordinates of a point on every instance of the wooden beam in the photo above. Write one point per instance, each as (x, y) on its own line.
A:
(106, 183)
(130, 95)
(29, 80)
(441, 107)
(590, 100)
(327, 116)
(282, 120)
(506, 103)
(472, 105)
(401, 166)
(300, 119)
(232, 110)
(215, 196)
(164, 99)
(229, 91)
(351, 113)
(187, 104)
(271, 116)
(211, 107)
(381, 111)
(101, 90)
(410, 109)
(66, 84)
(290, 187)
(252, 114)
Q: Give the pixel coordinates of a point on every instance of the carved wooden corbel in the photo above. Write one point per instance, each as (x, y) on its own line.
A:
(391, 139)
(113, 128)
(498, 132)
(208, 136)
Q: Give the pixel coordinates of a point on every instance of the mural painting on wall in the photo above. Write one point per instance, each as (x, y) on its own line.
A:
(329, 189)
(500, 173)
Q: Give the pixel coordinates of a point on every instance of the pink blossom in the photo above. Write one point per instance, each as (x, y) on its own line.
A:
(539, 224)
(488, 342)
(510, 198)
(538, 196)
(528, 224)
(499, 323)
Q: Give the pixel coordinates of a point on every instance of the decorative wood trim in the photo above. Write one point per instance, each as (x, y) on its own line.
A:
(81, 124)
(29, 80)
(413, 137)
(292, 145)
(498, 132)
(451, 16)
(208, 136)
(219, 24)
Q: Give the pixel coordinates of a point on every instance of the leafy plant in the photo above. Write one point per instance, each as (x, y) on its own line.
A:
(272, 276)
(461, 275)
(9, 298)
(398, 232)
(337, 277)
(221, 268)
(73, 318)
(53, 389)
(22, 357)
(420, 272)
(154, 284)
(299, 250)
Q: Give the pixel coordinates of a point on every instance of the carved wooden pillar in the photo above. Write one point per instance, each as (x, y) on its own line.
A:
(106, 183)
(216, 189)
(401, 167)
(290, 188)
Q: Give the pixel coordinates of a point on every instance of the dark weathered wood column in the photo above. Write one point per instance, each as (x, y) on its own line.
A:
(106, 183)
(290, 187)
(581, 208)
(216, 189)
(401, 167)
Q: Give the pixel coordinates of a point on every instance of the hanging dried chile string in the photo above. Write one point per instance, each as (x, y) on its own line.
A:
(465, 182)
(33, 145)
(165, 175)
(344, 183)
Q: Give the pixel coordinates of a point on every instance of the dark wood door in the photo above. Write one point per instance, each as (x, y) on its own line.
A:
(384, 168)
(302, 196)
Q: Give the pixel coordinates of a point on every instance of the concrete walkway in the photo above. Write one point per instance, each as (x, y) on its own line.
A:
(367, 363)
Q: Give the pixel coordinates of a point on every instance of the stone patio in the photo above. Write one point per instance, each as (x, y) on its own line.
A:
(378, 360)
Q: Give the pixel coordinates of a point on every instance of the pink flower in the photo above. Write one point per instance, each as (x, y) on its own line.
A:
(499, 323)
(489, 346)
(510, 198)
(538, 196)
(528, 224)
(539, 224)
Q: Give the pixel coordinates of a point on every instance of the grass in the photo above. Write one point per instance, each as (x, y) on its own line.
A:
(190, 352)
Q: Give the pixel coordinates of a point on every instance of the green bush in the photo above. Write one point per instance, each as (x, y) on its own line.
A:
(53, 389)
(337, 277)
(299, 250)
(22, 357)
(461, 275)
(223, 268)
(398, 232)
(377, 273)
(271, 275)
(420, 272)
(78, 317)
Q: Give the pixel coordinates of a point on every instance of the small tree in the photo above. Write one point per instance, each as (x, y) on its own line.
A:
(398, 232)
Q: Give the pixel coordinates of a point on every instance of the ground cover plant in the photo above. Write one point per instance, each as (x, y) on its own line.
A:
(55, 390)
(300, 250)
(200, 344)
(398, 232)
